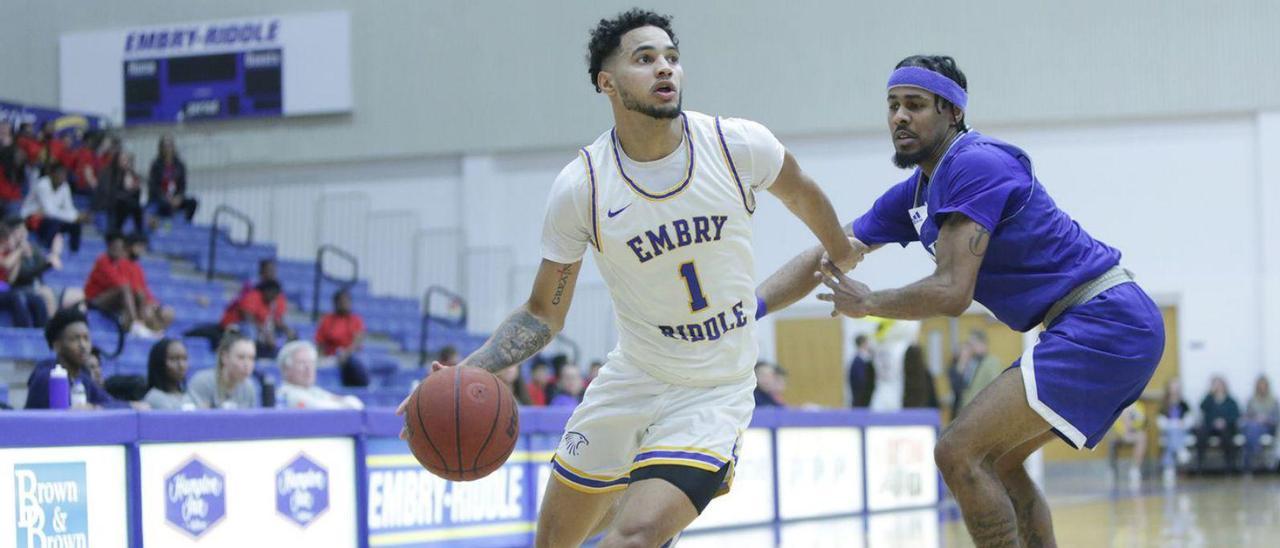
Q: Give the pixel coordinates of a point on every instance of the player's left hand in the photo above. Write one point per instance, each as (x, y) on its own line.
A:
(848, 296)
(404, 405)
(849, 256)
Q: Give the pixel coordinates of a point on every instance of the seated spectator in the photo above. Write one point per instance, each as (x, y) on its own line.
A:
(167, 183)
(917, 382)
(341, 335)
(83, 168)
(266, 273)
(592, 372)
(515, 383)
(1175, 422)
(27, 304)
(157, 317)
(228, 384)
(1260, 418)
(261, 310)
(121, 193)
(167, 375)
(769, 385)
(1218, 416)
(13, 177)
(1129, 431)
(568, 392)
(68, 335)
(50, 211)
(540, 379)
(448, 355)
(862, 372)
(110, 287)
(297, 361)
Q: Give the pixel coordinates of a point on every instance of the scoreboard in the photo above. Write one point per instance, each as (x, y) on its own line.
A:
(222, 85)
(255, 67)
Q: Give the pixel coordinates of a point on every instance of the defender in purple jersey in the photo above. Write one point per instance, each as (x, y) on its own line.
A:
(975, 205)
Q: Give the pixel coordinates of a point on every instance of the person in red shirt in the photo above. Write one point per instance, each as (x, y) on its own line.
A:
(264, 308)
(109, 286)
(156, 316)
(341, 335)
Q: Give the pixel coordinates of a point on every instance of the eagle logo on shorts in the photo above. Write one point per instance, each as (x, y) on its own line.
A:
(573, 442)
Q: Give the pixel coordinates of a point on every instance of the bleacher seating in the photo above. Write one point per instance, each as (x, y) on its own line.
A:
(176, 274)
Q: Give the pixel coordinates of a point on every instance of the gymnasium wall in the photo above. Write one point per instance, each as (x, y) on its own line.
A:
(453, 76)
(1191, 203)
(1154, 127)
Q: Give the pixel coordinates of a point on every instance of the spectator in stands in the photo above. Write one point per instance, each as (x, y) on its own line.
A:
(297, 361)
(50, 210)
(227, 385)
(13, 177)
(1175, 422)
(6, 133)
(41, 149)
(68, 335)
(592, 373)
(167, 183)
(83, 168)
(1218, 416)
(156, 316)
(862, 371)
(35, 263)
(569, 386)
(1260, 419)
(341, 335)
(917, 381)
(122, 193)
(519, 389)
(1129, 431)
(448, 355)
(539, 379)
(263, 309)
(109, 287)
(24, 302)
(266, 273)
(769, 385)
(974, 368)
(167, 375)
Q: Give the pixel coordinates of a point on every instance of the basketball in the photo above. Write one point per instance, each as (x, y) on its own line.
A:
(462, 423)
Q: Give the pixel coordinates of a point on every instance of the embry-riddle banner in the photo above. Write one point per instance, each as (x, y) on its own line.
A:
(277, 65)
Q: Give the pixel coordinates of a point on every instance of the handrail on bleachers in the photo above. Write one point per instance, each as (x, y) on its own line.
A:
(426, 318)
(355, 274)
(216, 230)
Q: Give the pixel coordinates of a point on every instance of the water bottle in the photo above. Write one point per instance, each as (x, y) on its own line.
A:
(59, 390)
(78, 396)
(268, 392)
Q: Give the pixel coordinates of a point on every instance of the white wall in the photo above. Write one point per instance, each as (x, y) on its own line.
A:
(1191, 203)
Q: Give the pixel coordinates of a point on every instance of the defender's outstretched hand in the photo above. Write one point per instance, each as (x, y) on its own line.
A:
(848, 296)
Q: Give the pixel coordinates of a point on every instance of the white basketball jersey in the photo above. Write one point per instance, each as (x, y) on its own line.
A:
(678, 262)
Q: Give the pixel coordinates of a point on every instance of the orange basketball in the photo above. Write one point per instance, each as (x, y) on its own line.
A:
(462, 422)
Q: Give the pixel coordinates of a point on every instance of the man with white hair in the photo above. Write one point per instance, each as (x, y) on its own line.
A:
(297, 361)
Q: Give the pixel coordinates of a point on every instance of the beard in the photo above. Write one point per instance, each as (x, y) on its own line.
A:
(908, 160)
(660, 112)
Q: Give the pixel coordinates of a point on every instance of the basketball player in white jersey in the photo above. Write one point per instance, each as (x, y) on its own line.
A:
(664, 202)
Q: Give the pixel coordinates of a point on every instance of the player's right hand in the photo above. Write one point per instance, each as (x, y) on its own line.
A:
(404, 405)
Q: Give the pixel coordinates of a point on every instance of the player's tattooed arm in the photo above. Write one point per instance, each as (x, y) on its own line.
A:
(961, 246)
(532, 326)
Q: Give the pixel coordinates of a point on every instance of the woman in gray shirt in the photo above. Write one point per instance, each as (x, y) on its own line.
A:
(227, 386)
(167, 375)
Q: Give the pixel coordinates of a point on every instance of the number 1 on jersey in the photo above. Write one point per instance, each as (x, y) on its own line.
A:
(697, 301)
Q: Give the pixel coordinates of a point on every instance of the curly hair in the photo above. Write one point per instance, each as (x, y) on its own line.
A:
(607, 36)
(944, 65)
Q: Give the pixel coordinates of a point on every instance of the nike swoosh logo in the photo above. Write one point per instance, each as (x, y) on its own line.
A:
(613, 213)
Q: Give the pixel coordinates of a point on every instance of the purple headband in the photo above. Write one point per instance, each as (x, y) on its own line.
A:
(929, 80)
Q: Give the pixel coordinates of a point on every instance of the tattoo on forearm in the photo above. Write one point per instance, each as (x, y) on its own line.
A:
(978, 242)
(519, 337)
(564, 273)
